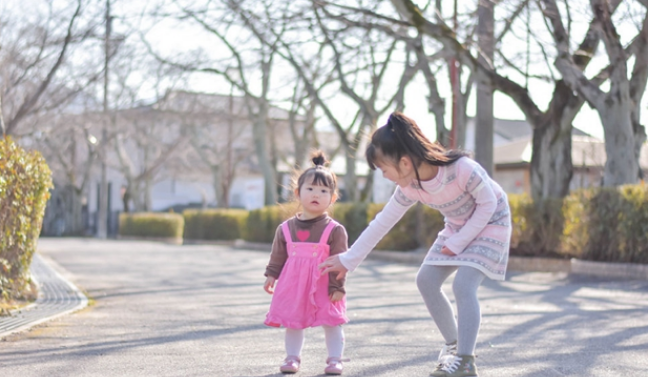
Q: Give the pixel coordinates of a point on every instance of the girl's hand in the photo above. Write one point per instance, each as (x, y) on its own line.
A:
(333, 264)
(269, 284)
(448, 252)
(336, 296)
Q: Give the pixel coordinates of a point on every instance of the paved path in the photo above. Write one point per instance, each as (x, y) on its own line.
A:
(57, 296)
(162, 310)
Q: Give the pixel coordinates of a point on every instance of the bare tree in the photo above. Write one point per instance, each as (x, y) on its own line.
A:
(550, 175)
(70, 148)
(623, 136)
(32, 57)
(252, 60)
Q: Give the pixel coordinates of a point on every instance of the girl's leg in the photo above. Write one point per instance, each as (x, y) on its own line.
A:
(465, 287)
(294, 341)
(429, 281)
(334, 341)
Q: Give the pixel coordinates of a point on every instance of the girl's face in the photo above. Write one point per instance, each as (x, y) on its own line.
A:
(401, 174)
(315, 199)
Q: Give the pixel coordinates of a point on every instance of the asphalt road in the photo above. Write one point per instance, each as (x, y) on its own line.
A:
(164, 310)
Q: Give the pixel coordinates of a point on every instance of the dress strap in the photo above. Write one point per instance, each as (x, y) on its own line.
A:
(327, 231)
(286, 231)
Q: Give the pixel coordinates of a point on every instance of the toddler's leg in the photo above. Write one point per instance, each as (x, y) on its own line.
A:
(294, 341)
(429, 281)
(465, 287)
(334, 340)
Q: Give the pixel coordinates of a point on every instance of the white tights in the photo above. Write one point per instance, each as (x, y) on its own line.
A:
(334, 341)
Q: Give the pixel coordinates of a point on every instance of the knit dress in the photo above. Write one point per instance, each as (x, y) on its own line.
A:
(476, 213)
(301, 296)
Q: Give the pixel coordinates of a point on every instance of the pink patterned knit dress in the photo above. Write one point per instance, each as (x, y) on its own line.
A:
(301, 297)
(477, 220)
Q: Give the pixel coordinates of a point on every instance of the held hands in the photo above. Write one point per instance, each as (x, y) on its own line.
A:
(333, 264)
(269, 284)
(336, 296)
(448, 252)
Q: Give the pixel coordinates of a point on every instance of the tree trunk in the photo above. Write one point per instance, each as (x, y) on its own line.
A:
(551, 163)
(350, 178)
(261, 146)
(551, 160)
(484, 121)
(218, 185)
(621, 166)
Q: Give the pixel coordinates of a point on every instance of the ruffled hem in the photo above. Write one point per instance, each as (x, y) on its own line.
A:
(277, 322)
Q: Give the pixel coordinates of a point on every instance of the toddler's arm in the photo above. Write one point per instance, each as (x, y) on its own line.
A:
(269, 284)
(278, 256)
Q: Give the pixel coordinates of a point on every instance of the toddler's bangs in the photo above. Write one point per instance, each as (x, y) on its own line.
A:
(322, 178)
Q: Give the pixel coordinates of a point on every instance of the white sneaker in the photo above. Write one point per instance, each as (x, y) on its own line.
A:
(447, 350)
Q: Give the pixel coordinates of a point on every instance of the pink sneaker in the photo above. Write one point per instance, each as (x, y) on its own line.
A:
(290, 365)
(334, 366)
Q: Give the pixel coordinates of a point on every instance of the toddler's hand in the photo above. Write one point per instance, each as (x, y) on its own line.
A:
(269, 284)
(448, 252)
(336, 296)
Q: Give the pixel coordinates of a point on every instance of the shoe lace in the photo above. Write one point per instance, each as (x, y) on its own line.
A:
(452, 364)
(446, 351)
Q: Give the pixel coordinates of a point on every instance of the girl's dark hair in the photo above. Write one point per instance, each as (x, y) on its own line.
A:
(401, 136)
(318, 174)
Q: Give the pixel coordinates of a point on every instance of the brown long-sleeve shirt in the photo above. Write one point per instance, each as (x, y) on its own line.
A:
(337, 241)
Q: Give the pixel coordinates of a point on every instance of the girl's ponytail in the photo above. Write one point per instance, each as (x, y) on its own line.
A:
(401, 136)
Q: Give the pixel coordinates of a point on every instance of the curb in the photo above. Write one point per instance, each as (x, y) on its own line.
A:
(628, 271)
(57, 297)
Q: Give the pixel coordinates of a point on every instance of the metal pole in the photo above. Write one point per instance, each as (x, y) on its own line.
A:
(102, 218)
(455, 86)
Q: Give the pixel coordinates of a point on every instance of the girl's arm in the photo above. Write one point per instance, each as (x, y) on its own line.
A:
(278, 256)
(339, 243)
(475, 181)
(394, 210)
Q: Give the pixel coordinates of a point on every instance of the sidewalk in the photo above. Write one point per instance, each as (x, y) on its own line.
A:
(197, 310)
(56, 297)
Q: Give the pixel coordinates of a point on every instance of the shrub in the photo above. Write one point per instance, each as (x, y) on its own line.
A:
(25, 180)
(537, 226)
(214, 224)
(353, 216)
(262, 223)
(612, 225)
(151, 224)
(418, 228)
(633, 231)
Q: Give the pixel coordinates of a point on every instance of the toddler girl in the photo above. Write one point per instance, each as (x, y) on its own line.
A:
(303, 297)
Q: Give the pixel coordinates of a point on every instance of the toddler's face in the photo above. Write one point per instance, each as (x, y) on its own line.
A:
(315, 198)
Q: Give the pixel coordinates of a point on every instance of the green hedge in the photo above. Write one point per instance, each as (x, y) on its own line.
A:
(613, 225)
(214, 224)
(262, 223)
(537, 226)
(609, 224)
(418, 228)
(602, 224)
(353, 216)
(25, 180)
(151, 224)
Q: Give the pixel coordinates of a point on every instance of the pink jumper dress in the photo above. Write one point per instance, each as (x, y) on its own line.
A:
(301, 297)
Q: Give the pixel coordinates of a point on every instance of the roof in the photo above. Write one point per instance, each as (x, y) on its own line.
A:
(181, 100)
(586, 151)
(512, 129)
